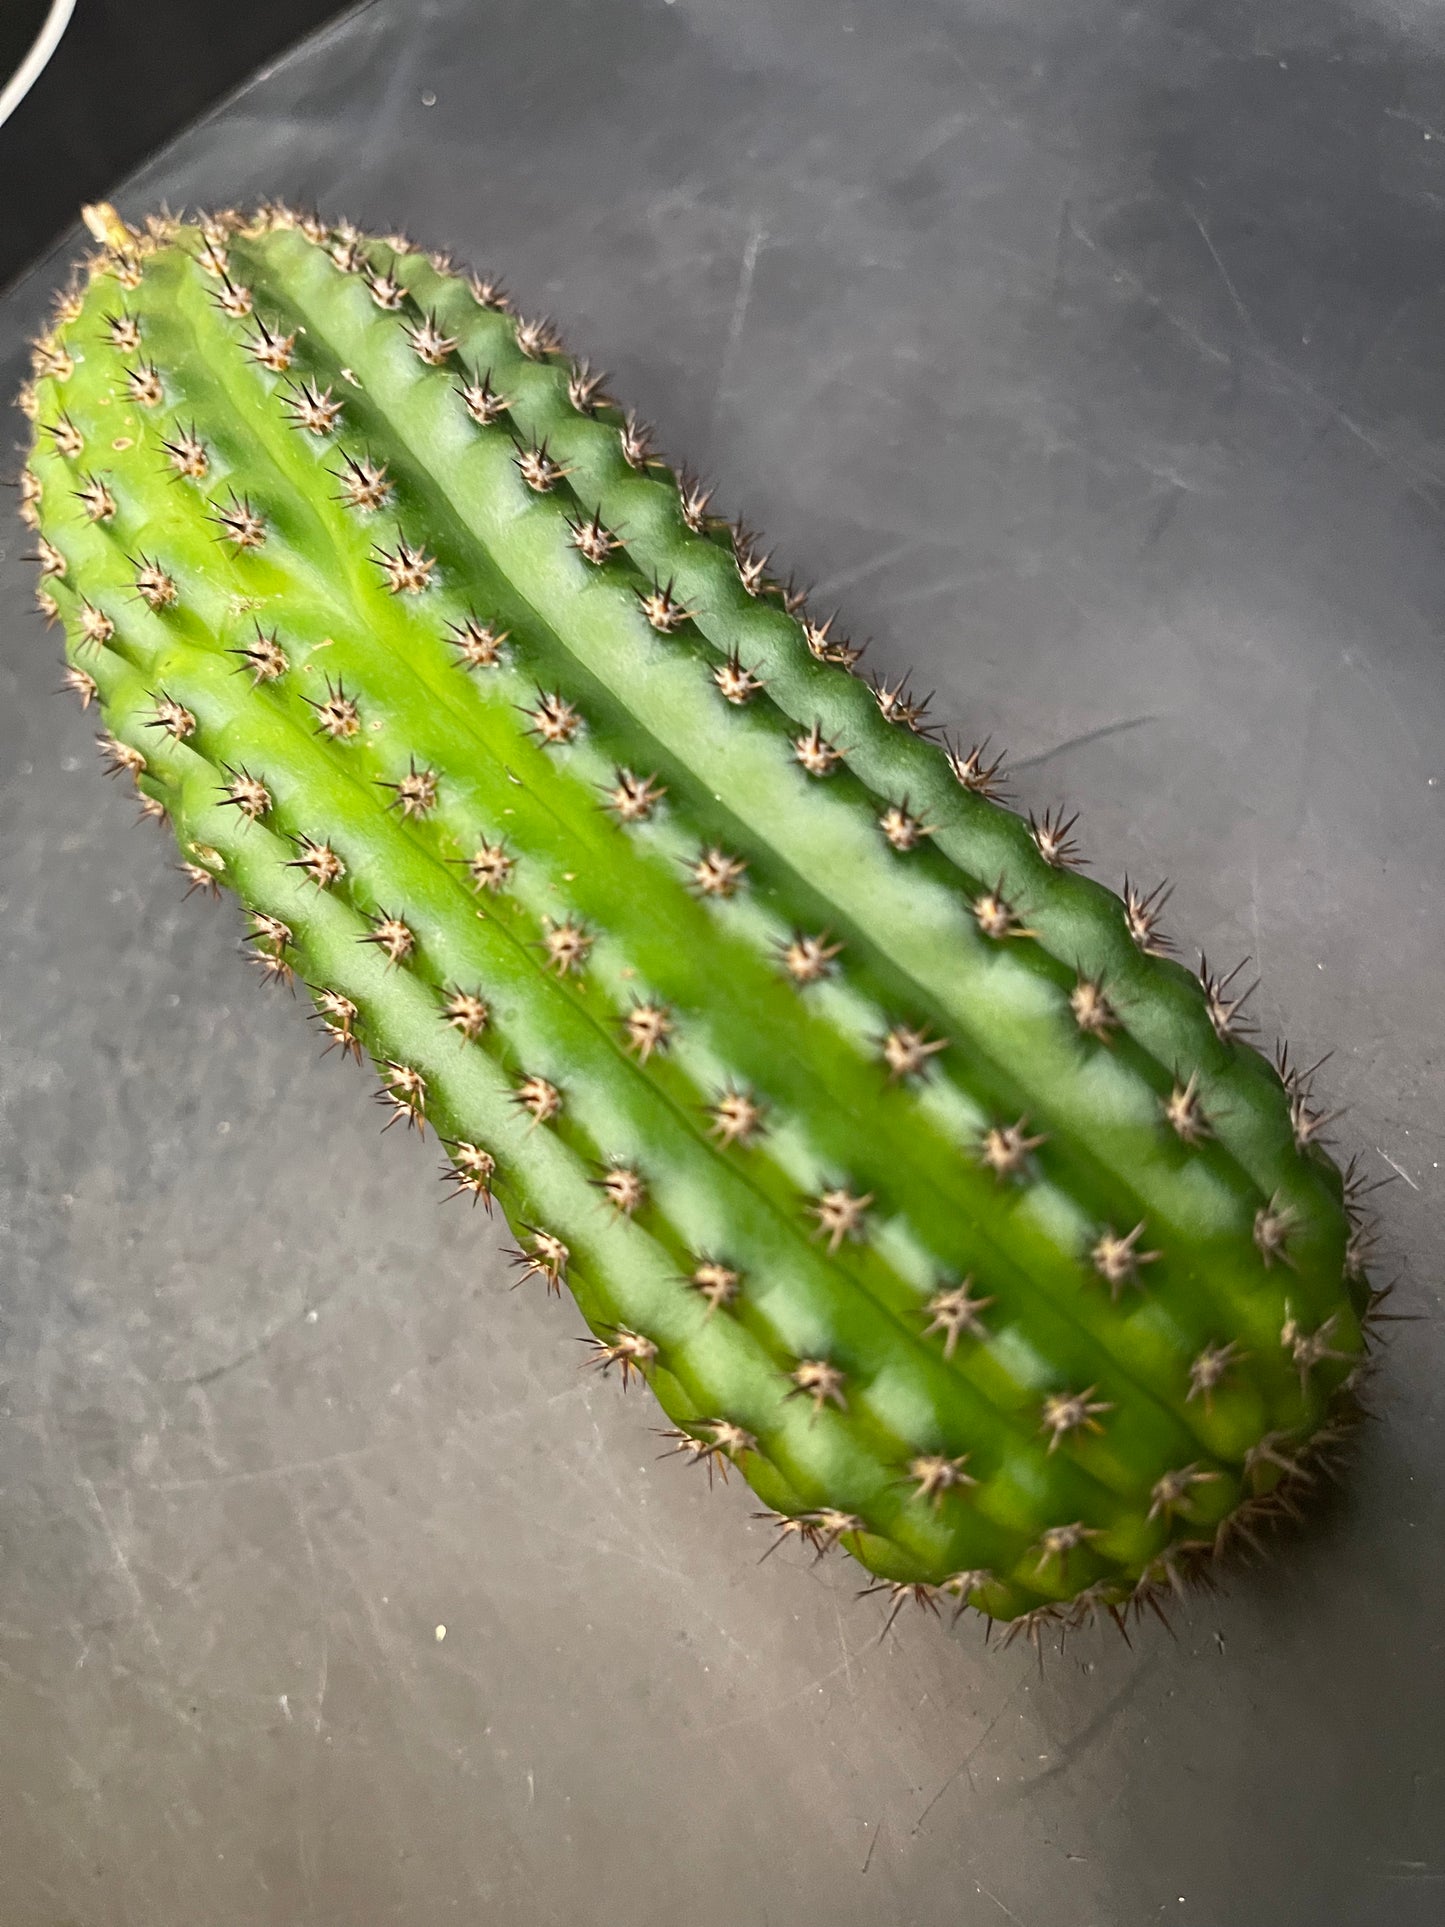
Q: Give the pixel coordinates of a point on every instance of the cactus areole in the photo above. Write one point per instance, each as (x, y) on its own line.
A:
(896, 1156)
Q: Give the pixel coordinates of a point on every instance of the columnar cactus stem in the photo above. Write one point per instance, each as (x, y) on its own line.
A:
(892, 1152)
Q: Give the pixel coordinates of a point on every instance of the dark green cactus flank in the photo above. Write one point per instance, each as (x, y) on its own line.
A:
(900, 1159)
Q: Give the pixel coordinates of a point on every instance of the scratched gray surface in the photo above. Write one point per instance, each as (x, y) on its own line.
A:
(1091, 356)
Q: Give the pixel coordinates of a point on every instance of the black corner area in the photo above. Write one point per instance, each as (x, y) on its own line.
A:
(126, 77)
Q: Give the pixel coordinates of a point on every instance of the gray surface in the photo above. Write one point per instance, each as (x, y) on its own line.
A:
(1095, 364)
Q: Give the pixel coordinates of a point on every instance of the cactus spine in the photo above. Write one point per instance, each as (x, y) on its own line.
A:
(894, 1154)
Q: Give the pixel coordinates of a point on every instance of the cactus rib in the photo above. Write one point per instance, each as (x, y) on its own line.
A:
(892, 1152)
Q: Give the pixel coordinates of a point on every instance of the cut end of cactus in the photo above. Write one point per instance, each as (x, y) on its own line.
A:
(105, 225)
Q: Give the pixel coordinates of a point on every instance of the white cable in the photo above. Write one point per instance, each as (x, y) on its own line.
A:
(34, 63)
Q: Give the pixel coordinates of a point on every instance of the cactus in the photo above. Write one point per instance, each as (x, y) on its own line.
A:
(897, 1157)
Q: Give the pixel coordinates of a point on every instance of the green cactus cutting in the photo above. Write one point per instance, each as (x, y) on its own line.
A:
(897, 1157)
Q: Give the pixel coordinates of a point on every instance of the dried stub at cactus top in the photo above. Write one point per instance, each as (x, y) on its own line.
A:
(894, 1154)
